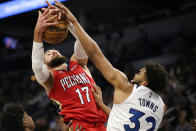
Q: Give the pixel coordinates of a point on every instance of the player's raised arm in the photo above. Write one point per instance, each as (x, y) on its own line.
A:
(94, 53)
(39, 68)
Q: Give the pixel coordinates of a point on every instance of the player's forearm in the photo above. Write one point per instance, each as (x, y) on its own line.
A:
(105, 108)
(89, 45)
(38, 36)
(38, 66)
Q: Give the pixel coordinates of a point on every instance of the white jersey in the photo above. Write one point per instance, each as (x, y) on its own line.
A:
(142, 111)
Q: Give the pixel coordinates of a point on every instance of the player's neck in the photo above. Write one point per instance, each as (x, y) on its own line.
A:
(143, 83)
(61, 67)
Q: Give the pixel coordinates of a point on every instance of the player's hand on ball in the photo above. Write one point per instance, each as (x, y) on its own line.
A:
(44, 21)
(53, 7)
(97, 94)
(70, 18)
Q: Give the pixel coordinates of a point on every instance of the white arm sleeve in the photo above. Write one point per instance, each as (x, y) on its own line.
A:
(78, 49)
(39, 68)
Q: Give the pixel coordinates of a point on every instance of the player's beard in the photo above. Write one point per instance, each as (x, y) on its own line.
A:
(57, 61)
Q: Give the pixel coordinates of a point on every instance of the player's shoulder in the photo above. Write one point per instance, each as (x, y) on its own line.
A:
(141, 89)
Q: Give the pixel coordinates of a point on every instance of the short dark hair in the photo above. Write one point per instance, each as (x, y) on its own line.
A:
(12, 118)
(157, 76)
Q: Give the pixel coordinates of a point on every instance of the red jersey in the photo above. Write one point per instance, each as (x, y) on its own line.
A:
(72, 92)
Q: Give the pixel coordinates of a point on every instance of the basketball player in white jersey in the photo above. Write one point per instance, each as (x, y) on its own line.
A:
(136, 104)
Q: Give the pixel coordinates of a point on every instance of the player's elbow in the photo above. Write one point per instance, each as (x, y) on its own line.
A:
(95, 56)
(37, 67)
(41, 72)
(93, 50)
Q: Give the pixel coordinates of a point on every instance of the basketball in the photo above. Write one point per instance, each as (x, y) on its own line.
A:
(57, 33)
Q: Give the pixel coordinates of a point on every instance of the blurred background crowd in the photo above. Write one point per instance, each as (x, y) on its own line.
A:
(162, 32)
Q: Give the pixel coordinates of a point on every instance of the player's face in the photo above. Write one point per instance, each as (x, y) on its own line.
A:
(51, 54)
(53, 58)
(28, 122)
(140, 77)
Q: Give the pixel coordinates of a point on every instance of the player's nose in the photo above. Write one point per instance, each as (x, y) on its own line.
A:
(54, 53)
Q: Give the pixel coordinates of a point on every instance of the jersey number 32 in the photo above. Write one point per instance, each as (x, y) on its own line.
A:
(135, 119)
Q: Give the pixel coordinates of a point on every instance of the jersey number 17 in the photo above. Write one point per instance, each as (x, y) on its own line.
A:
(80, 95)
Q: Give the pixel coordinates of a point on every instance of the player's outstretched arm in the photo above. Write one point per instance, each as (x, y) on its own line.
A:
(94, 53)
(39, 68)
(98, 98)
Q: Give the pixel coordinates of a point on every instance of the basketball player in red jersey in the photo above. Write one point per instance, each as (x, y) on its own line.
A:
(67, 85)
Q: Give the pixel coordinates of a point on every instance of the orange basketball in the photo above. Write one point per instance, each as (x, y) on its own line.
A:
(57, 33)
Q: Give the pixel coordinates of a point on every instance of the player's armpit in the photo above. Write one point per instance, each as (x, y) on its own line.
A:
(49, 83)
(122, 81)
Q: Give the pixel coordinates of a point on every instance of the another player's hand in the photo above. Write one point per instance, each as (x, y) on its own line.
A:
(69, 126)
(44, 21)
(59, 13)
(70, 18)
(63, 125)
(97, 94)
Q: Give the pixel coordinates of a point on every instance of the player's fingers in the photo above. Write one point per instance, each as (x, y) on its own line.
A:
(68, 125)
(51, 6)
(92, 90)
(71, 128)
(51, 24)
(83, 129)
(56, 1)
(46, 11)
(51, 18)
(52, 11)
(43, 9)
(80, 129)
(61, 7)
(39, 14)
(48, 3)
(59, 15)
(77, 126)
(97, 88)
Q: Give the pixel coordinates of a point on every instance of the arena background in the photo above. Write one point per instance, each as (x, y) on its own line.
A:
(129, 32)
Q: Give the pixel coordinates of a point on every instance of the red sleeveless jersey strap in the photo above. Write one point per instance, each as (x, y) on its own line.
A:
(73, 64)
